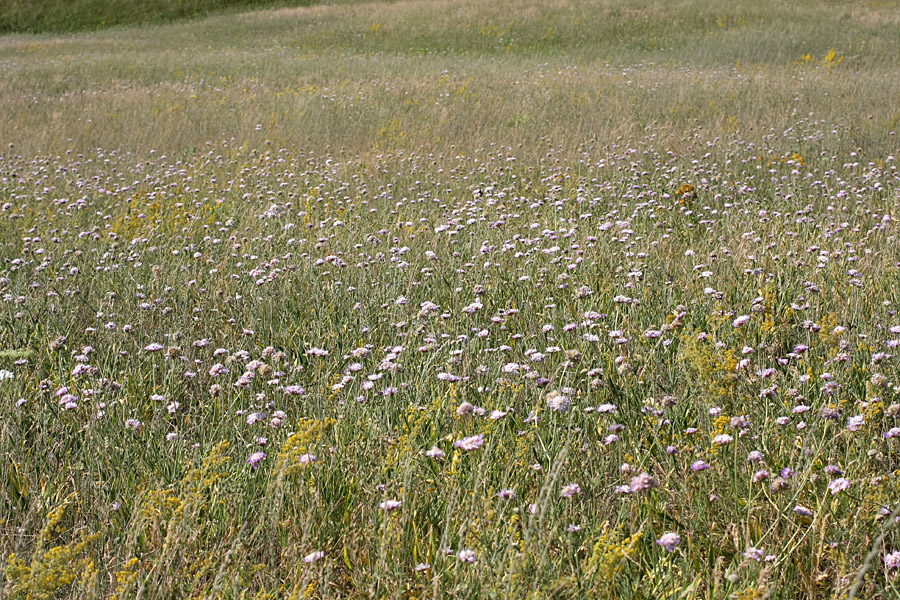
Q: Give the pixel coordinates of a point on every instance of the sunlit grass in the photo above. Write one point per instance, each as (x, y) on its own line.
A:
(453, 299)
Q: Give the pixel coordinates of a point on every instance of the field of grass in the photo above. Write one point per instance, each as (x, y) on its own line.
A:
(463, 299)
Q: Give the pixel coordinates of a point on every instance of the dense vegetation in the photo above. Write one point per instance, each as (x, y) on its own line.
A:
(454, 299)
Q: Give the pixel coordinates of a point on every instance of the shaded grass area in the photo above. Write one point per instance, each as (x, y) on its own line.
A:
(35, 16)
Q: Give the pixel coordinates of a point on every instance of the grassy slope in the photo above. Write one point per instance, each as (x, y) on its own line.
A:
(385, 135)
(465, 73)
(34, 16)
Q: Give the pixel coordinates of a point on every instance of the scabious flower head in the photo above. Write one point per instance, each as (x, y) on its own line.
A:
(669, 541)
(256, 458)
(390, 505)
(470, 443)
(573, 489)
(802, 511)
(699, 465)
(558, 402)
(436, 453)
(838, 485)
(313, 556)
(466, 556)
(892, 560)
(722, 439)
(643, 482)
(756, 554)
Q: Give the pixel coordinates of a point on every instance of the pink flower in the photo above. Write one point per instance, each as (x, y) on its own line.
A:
(838, 485)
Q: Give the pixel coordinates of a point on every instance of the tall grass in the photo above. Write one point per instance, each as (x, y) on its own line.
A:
(453, 299)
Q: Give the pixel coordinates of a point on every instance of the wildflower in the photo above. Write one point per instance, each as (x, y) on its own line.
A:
(558, 402)
(132, 424)
(466, 408)
(256, 458)
(722, 439)
(390, 505)
(466, 556)
(313, 556)
(802, 511)
(838, 485)
(307, 459)
(436, 453)
(470, 443)
(755, 456)
(154, 347)
(761, 475)
(892, 560)
(573, 489)
(422, 567)
(699, 465)
(856, 423)
(752, 553)
(507, 494)
(643, 482)
(669, 541)
(779, 484)
(741, 320)
(892, 433)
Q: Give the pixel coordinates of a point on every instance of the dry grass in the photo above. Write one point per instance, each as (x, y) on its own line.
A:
(428, 75)
(619, 241)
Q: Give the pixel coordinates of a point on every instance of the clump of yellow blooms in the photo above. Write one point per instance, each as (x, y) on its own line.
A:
(713, 369)
(51, 569)
(685, 193)
(609, 555)
(308, 433)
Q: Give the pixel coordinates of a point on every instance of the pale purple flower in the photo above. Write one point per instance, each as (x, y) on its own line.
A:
(313, 556)
(256, 458)
(741, 320)
(669, 541)
(466, 556)
(838, 485)
(573, 489)
(470, 443)
(436, 453)
(756, 554)
(643, 482)
(699, 465)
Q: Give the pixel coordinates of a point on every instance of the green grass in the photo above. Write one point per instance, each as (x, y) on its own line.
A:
(37, 16)
(470, 206)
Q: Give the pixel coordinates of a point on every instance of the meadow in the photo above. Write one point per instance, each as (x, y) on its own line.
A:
(452, 299)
